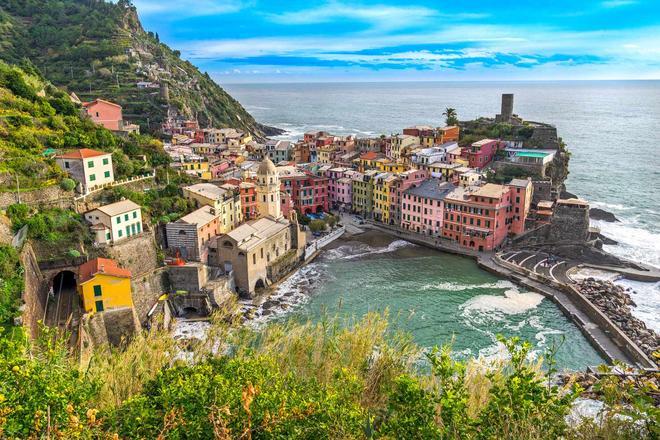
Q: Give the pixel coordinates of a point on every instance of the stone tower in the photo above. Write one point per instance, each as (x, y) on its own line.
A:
(268, 190)
(507, 107)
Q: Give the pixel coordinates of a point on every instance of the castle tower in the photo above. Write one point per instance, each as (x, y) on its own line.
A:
(507, 107)
(268, 190)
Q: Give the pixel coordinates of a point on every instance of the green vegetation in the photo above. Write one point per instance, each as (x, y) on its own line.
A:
(162, 205)
(333, 379)
(505, 174)
(99, 49)
(317, 225)
(53, 230)
(35, 116)
(11, 283)
(451, 117)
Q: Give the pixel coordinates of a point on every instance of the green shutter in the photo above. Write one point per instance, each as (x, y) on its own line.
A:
(106, 174)
(90, 164)
(97, 290)
(99, 306)
(92, 177)
(118, 220)
(106, 161)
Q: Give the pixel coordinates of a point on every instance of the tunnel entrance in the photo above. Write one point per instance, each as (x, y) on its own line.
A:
(63, 300)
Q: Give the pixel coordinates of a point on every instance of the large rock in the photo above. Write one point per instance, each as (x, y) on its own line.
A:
(601, 214)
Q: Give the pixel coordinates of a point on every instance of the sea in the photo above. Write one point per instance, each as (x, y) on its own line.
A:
(611, 128)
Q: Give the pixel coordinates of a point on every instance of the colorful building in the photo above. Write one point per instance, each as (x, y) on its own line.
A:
(105, 113)
(482, 152)
(363, 192)
(309, 193)
(478, 218)
(115, 222)
(404, 181)
(103, 285)
(522, 191)
(191, 235)
(368, 161)
(383, 191)
(92, 169)
(225, 201)
(422, 206)
(249, 203)
(400, 144)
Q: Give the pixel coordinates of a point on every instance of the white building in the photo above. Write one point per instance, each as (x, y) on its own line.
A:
(90, 168)
(115, 222)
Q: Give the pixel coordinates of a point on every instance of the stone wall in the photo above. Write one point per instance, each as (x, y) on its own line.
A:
(146, 289)
(137, 253)
(570, 223)
(190, 278)
(52, 196)
(110, 327)
(35, 293)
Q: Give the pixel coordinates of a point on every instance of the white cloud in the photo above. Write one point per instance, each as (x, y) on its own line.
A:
(189, 8)
(618, 3)
(378, 17)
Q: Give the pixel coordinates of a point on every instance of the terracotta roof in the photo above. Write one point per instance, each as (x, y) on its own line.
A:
(87, 271)
(83, 153)
(87, 104)
(370, 155)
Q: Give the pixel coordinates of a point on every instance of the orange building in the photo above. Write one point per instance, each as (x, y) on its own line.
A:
(105, 113)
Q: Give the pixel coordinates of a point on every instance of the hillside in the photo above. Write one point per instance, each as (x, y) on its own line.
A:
(37, 118)
(99, 49)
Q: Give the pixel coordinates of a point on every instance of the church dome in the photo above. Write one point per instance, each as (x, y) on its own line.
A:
(266, 167)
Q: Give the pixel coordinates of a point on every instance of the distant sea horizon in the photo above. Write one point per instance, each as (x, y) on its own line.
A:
(447, 81)
(611, 128)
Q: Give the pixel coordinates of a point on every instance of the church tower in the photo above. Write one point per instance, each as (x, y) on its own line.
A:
(268, 190)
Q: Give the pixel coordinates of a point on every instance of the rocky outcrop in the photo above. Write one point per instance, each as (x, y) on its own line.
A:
(616, 303)
(601, 214)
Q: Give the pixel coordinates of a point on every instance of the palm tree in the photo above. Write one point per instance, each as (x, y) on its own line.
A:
(451, 117)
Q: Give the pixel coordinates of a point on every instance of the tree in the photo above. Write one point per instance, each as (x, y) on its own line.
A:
(451, 117)
(317, 225)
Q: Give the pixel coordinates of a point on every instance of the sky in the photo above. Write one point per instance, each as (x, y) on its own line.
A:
(242, 41)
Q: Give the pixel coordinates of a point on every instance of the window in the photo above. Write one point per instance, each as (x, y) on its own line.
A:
(92, 177)
(106, 161)
(119, 233)
(128, 231)
(90, 164)
(97, 290)
(126, 217)
(107, 236)
(134, 214)
(106, 174)
(67, 165)
(118, 220)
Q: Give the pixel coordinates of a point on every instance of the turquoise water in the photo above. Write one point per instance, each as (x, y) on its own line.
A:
(438, 298)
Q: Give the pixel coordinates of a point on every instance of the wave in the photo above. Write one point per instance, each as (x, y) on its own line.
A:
(635, 242)
(647, 298)
(190, 329)
(288, 295)
(457, 287)
(353, 251)
(496, 307)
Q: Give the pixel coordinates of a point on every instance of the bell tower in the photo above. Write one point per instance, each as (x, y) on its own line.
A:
(268, 190)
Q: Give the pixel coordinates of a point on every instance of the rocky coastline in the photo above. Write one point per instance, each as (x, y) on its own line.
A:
(616, 303)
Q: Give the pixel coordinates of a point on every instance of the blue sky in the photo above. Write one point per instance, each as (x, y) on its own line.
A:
(384, 40)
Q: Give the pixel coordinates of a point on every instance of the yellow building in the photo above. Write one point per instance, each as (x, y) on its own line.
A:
(225, 201)
(103, 285)
(363, 192)
(324, 154)
(383, 191)
(387, 166)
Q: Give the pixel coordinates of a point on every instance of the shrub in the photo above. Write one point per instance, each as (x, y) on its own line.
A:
(67, 184)
(317, 225)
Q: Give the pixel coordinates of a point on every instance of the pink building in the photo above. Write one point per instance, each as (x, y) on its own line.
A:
(105, 113)
(422, 206)
(339, 186)
(404, 181)
(482, 152)
(218, 168)
(522, 191)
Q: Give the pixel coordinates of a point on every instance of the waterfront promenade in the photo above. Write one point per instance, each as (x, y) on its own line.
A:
(608, 339)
